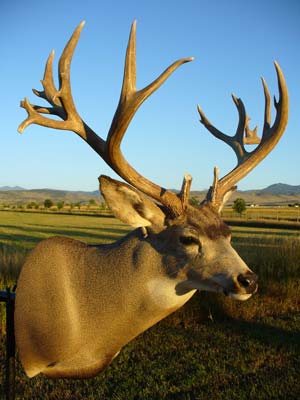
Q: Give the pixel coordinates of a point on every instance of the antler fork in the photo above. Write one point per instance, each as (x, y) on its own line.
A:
(62, 105)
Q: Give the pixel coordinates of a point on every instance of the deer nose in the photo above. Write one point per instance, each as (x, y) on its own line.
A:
(248, 281)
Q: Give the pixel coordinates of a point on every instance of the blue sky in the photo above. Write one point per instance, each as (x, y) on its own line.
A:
(234, 43)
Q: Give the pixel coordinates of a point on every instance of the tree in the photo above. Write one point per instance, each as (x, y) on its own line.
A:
(60, 205)
(48, 203)
(239, 206)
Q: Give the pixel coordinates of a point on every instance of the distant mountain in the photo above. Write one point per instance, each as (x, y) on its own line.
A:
(6, 188)
(282, 188)
(23, 196)
(273, 195)
(59, 192)
(277, 194)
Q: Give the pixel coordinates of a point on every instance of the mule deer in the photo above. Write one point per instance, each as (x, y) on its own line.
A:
(77, 305)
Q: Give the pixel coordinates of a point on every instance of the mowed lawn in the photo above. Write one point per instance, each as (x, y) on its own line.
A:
(212, 348)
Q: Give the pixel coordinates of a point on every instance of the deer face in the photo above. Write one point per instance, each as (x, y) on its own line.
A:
(199, 254)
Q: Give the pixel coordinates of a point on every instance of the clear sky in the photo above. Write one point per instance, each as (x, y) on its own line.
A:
(234, 43)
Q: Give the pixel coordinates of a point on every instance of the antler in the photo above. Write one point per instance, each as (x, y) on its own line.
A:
(246, 161)
(62, 105)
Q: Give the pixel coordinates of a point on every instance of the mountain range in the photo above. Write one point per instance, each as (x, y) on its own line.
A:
(276, 194)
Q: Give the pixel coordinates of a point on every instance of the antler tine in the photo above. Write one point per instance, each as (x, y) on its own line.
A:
(185, 190)
(48, 84)
(239, 135)
(270, 137)
(281, 106)
(65, 93)
(236, 141)
(130, 101)
(211, 128)
(267, 116)
(63, 106)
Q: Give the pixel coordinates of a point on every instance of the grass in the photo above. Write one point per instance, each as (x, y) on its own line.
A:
(212, 348)
(29, 228)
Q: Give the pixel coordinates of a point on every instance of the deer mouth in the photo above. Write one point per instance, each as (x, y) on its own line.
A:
(237, 296)
(240, 288)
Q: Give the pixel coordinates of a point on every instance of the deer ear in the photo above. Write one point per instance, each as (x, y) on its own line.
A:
(130, 205)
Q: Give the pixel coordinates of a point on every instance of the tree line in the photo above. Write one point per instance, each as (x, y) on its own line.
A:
(59, 205)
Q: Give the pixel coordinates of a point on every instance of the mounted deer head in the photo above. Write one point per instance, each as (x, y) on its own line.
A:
(77, 305)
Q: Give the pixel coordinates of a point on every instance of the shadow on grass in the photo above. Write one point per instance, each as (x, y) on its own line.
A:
(114, 224)
(104, 234)
(269, 335)
(255, 320)
(19, 241)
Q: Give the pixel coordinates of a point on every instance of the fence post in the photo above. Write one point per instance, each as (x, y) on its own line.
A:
(9, 298)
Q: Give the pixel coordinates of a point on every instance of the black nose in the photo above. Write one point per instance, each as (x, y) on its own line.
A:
(248, 281)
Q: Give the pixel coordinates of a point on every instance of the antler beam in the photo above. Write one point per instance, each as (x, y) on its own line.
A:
(246, 161)
(62, 105)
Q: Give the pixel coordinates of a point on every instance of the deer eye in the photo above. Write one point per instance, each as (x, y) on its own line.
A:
(189, 240)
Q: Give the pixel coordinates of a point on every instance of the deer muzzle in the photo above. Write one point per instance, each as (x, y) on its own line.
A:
(245, 285)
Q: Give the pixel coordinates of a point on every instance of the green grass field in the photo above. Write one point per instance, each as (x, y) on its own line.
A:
(212, 348)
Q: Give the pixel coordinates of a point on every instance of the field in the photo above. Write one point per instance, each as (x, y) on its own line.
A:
(212, 348)
(265, 213)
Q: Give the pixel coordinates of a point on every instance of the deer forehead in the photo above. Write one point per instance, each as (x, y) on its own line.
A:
(162, 292)
(207, 221)
(200, 221)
